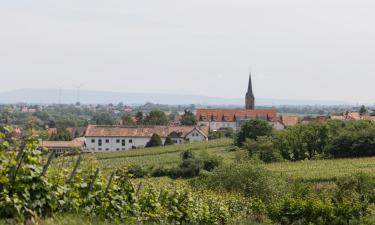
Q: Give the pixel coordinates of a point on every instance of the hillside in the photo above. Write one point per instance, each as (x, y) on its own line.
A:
(170, 156)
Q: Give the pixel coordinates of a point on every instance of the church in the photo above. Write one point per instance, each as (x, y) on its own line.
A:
(217, 119)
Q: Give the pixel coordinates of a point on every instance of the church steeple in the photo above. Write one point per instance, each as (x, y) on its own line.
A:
(250, 99)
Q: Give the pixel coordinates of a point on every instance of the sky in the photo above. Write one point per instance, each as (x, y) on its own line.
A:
(295, 49)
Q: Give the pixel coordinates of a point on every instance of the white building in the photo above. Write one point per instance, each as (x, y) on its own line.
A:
(120, 138)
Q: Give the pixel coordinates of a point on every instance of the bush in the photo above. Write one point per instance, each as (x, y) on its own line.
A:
(353, 143)
(264, 149)
(249, 178)
(155, 141)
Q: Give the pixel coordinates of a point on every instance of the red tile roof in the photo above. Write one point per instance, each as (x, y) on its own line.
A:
(230, 115)
(76, 143)
(121, 131)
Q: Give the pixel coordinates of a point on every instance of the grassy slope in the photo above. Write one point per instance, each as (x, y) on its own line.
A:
(315, 170)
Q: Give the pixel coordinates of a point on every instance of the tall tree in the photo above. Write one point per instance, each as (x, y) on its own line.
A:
(188, 119)
(252, 129)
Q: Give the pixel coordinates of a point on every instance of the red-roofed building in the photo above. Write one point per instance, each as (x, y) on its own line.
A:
(216, 119)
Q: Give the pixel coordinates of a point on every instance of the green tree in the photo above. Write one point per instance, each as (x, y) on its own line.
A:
(6, 116)
(168, 141)
(155, 141)
(103, 119)
(127, 120)
(156, 117)
(139, 116)
(362, 110)
(252, 129)
(263, 148)
(188, 119)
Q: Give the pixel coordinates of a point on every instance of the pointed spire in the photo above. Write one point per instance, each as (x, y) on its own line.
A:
(250, 99)
(250, 87)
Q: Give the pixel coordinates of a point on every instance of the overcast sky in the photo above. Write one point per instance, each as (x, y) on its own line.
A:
(296, 49)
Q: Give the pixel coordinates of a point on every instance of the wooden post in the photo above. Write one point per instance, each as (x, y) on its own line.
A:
(109, 183)
(75, 169)
(139, 188)
(50, 158)
(93, 180)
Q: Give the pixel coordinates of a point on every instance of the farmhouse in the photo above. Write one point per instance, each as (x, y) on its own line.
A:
(216, 119)
(120, 138)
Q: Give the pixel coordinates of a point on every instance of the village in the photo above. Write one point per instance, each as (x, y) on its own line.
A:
(203, 124)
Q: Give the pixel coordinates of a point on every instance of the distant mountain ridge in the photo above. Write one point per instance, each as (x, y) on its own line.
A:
(47, 96)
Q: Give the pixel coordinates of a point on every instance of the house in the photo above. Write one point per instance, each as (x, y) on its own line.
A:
(61, 147)
(289, 120)
(216, 119)
(121, 138)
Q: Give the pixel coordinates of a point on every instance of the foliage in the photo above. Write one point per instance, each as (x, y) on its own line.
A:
(249, 178)
(353, 143)
(156, 117)
(188, 119)
(103, 118)
(264, 149)
(126, 119)
(168, 141)
(252, 129)
(61, 136)
(221, 133)
(155, 141)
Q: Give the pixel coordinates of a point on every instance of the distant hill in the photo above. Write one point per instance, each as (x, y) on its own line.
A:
(45, 96)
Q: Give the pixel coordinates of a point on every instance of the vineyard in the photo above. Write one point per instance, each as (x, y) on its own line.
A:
(99, 188)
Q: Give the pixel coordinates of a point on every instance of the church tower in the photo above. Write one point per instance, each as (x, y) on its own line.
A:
(250, 99)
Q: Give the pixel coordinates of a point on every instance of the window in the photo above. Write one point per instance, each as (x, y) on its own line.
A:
(117, 149)
(118, 141)
(92, 140)
(100, 142)
(130, 140)
(99, 149)
(123, 149)
(123, 142)
(106, 140)
(107, 149)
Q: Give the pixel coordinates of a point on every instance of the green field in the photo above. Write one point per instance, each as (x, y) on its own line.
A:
(313, 170)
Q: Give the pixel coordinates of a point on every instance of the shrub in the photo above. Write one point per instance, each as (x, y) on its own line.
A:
(264, 149)
(168, 141)
(155, 141)
(358, 143)
(249, 178)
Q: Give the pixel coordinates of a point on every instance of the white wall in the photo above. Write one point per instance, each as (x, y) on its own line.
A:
(113, 145)
(195, 136)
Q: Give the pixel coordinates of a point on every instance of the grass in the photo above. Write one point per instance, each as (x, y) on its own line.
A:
(310, 171)
(323, 170)
(170, 156)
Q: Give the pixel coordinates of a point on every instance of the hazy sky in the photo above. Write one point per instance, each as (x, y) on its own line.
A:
(296, 49)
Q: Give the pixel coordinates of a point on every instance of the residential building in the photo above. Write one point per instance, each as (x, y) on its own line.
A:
(120, 138)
